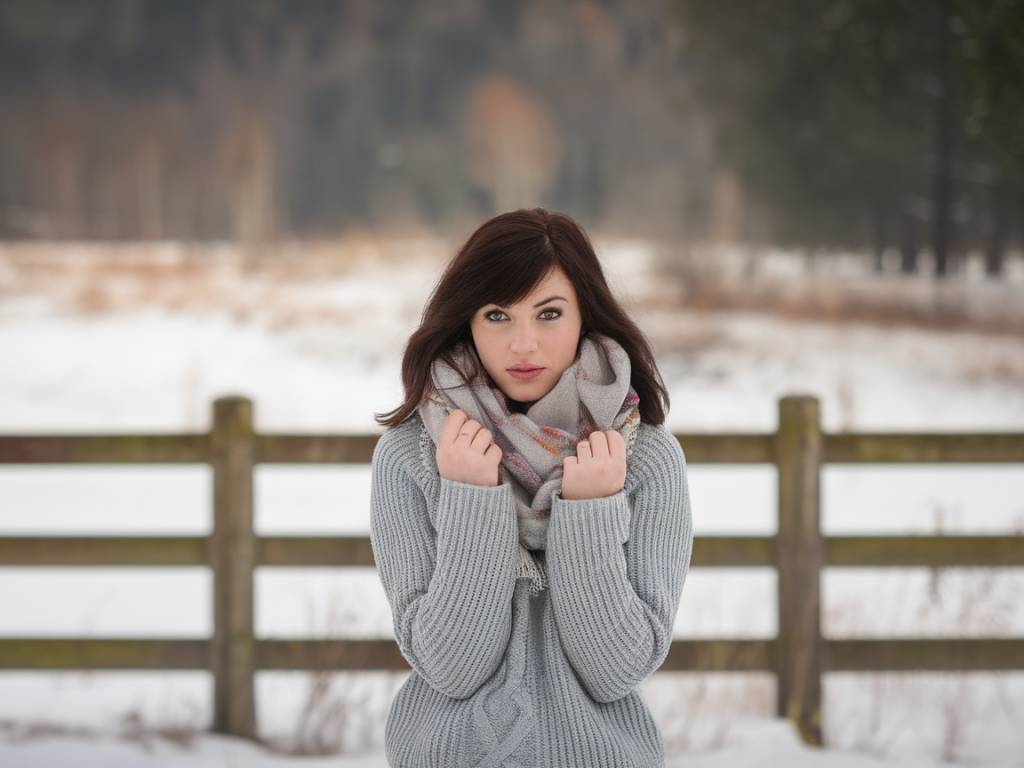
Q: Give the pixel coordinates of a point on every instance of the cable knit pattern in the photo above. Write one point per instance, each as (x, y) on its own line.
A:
(505, 677)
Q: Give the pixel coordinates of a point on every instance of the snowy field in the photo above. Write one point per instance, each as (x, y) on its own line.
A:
(147, 348)
(762, 742)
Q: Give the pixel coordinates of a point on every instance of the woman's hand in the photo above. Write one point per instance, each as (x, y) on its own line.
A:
(465, 452)
(598, 469)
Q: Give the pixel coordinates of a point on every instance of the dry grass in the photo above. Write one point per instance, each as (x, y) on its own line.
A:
(711, 279)
(333, 719)
(980, 609)
(267, 282)
(702, 715)
(132, 728)
(98, 278)
(338, 714)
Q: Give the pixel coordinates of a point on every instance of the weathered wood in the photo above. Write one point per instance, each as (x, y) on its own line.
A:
(926, 654)
(103, 653)
(871, 655)
(731, 448)
(728, 448)
(923, 447)
(315, 449)
(356, 551)
(800, 555)
(719, 655)
(104, 449)
(798, 655)
(233, 557)
(310, 550)
(733, 551)
(95, 550)
(340, 654)
(935, 551)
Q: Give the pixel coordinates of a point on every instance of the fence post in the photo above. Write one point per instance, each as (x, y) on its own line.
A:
(232, 558)
(800, 552)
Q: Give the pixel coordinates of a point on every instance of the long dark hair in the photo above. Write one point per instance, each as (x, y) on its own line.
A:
(501, 262)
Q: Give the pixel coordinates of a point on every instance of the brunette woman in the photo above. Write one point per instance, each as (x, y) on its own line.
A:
(531, 521)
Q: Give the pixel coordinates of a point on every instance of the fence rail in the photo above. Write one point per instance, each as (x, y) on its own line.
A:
(798, 655)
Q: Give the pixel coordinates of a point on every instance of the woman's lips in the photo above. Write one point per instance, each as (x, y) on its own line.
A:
(525, 375)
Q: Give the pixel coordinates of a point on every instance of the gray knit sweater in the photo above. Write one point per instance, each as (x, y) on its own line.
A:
(501, 677)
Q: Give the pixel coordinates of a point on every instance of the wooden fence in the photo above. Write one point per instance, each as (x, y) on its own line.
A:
(798, 655)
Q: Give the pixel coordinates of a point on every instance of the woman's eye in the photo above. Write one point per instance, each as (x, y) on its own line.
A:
(557, 313)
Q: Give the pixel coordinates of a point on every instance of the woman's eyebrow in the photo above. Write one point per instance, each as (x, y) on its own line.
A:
(539, 303)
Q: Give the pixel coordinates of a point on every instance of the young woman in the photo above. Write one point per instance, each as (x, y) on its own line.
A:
(532, 530)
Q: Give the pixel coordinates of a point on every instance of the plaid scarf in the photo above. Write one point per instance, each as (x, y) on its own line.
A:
(594, 393)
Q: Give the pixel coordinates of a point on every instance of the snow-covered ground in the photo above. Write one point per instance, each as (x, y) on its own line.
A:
(752, 741)
(318, 350)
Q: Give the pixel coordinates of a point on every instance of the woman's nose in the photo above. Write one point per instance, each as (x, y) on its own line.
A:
(523, 341)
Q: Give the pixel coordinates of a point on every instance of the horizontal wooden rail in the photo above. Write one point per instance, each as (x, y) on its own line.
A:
(887, 654)
(104, 449)
(314, 449)
(930, 551)
(945, 654)
(60, 653)
(356, 551)
(923, 448)
(728, 448)
(106, 550)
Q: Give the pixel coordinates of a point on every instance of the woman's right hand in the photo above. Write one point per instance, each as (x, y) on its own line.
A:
(466, 453)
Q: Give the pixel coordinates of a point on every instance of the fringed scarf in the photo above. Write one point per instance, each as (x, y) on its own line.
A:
(594, 393)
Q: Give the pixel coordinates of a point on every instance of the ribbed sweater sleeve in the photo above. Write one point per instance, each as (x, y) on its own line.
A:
(616, 568)
(450, 589)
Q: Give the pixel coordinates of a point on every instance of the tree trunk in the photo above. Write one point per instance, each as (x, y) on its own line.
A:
(995, 252)
(942, 192)
(878, 226)
(908, 245)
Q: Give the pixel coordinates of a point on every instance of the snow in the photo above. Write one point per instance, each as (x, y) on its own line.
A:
(769, 743)
(318, 349)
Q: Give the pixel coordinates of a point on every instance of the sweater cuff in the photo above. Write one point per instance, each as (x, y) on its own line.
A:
(474, 519)
(589, 525)
(457, 485)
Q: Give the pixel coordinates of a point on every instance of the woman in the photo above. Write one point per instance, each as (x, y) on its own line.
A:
(532, 531)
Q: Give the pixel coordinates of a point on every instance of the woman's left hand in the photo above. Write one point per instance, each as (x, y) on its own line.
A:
(598, 469)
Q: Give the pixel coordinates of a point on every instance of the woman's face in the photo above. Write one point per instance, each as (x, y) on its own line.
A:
(542, 330)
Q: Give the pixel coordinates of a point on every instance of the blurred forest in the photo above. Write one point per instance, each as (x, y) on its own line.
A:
(866, 124)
